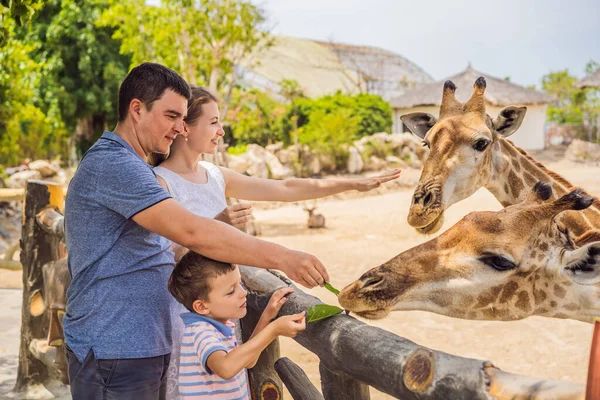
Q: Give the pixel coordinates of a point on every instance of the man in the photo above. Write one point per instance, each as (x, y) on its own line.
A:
(117, 221)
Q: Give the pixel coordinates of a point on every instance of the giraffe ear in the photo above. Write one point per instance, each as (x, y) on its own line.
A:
(419, 123)
(582, 265)
(509, 120)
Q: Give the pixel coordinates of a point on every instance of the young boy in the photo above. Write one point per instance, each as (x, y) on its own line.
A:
(212, 365)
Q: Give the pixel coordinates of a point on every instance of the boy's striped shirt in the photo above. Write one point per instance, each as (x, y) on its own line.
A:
(202, 337)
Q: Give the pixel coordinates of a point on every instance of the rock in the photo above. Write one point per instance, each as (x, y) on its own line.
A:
(19, 180)
(314, 168)
(355, 163)
(44, 167)
(285, 156)
(583, 151)
(375, 163)
(239, 163)
(277, 171)
(275, 147)
(397, 162)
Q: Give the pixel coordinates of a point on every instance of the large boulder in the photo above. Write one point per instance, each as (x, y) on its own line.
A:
(582, 151)
(355, 163)
(276, 169)
(238, 163)
(44, 167)
(19, 179)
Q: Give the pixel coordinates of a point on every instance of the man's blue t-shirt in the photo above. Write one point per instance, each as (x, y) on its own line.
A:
(118, 301)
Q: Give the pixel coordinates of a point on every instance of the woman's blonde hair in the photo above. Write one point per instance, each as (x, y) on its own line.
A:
(200, 97)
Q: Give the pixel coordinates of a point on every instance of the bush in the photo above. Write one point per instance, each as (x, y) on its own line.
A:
(237, 150)
(29, 134)
(330, 134)
(255, 117)
(372, 112)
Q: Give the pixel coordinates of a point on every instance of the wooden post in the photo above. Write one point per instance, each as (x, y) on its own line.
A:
(37, 248)
(339, 386)
(296, 380)
(593, 380)
(264, 381)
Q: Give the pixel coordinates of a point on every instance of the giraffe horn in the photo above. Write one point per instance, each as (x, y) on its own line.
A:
(450, 106)
(477, 102)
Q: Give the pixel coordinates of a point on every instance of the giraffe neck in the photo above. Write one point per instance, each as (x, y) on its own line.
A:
(514, 173)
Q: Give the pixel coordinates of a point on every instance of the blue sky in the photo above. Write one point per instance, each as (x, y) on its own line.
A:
(522, 39)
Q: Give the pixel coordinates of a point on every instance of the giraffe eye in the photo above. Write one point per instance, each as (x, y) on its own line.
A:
(481, 144)
(499, 263)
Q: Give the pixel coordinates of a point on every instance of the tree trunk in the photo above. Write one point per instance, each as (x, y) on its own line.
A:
(36, 358)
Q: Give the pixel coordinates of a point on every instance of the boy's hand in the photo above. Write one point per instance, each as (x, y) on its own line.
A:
(290, 325)
(277, 300)
(237, 215)
(366, 184)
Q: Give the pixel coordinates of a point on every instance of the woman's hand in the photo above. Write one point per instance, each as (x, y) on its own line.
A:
(237, 215)
(366, 184)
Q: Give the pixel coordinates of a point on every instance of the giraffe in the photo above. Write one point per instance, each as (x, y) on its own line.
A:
(469, 150)
(503, 265)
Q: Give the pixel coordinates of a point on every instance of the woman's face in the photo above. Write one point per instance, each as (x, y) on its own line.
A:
(205, 133)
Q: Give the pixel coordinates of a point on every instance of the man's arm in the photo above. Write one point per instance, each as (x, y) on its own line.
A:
(222, 242)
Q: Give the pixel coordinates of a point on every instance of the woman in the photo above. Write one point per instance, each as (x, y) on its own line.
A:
(202, 188)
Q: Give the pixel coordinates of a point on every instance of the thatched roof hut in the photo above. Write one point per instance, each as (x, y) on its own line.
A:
(590, 81)
(499, 92)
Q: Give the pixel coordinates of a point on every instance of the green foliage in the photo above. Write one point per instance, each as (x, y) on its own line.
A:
(237, 150)
(255, 117)
(202, 40)
(81, 67)
(330, 134)
(574, 106)
(373, 113)
(321, 311)
(29, 134)
(331, 288)
(567, 107)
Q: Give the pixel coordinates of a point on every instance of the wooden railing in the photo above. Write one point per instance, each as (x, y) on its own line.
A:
(353, 355)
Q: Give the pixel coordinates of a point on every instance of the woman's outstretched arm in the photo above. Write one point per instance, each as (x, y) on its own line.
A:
(295, 189)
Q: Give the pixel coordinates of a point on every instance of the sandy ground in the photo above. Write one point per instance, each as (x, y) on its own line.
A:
(362, 233)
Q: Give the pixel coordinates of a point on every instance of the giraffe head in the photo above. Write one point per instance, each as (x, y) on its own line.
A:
(503, 265)
(464, 146)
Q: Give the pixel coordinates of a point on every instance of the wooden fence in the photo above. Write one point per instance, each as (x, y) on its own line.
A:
(353, 355)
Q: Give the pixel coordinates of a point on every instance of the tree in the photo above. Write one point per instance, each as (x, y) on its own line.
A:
(579, 107)
(205, 41)
(290, 89)
(81, 67)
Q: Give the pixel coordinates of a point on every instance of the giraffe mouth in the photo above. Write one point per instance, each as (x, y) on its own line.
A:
(374, 314)
(433, 226)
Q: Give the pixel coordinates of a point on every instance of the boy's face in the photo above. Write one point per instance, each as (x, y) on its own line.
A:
(227, 297)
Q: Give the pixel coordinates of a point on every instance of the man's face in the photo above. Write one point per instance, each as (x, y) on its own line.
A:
(227, 297)
(159, 126)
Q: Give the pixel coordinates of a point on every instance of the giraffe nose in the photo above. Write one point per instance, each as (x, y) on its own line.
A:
(425, 198)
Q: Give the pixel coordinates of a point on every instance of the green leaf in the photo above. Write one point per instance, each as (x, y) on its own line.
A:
(331, 288)
(321, 311)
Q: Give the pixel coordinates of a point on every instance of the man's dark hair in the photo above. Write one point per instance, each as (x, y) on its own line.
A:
(148, 82)
(189, 280)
